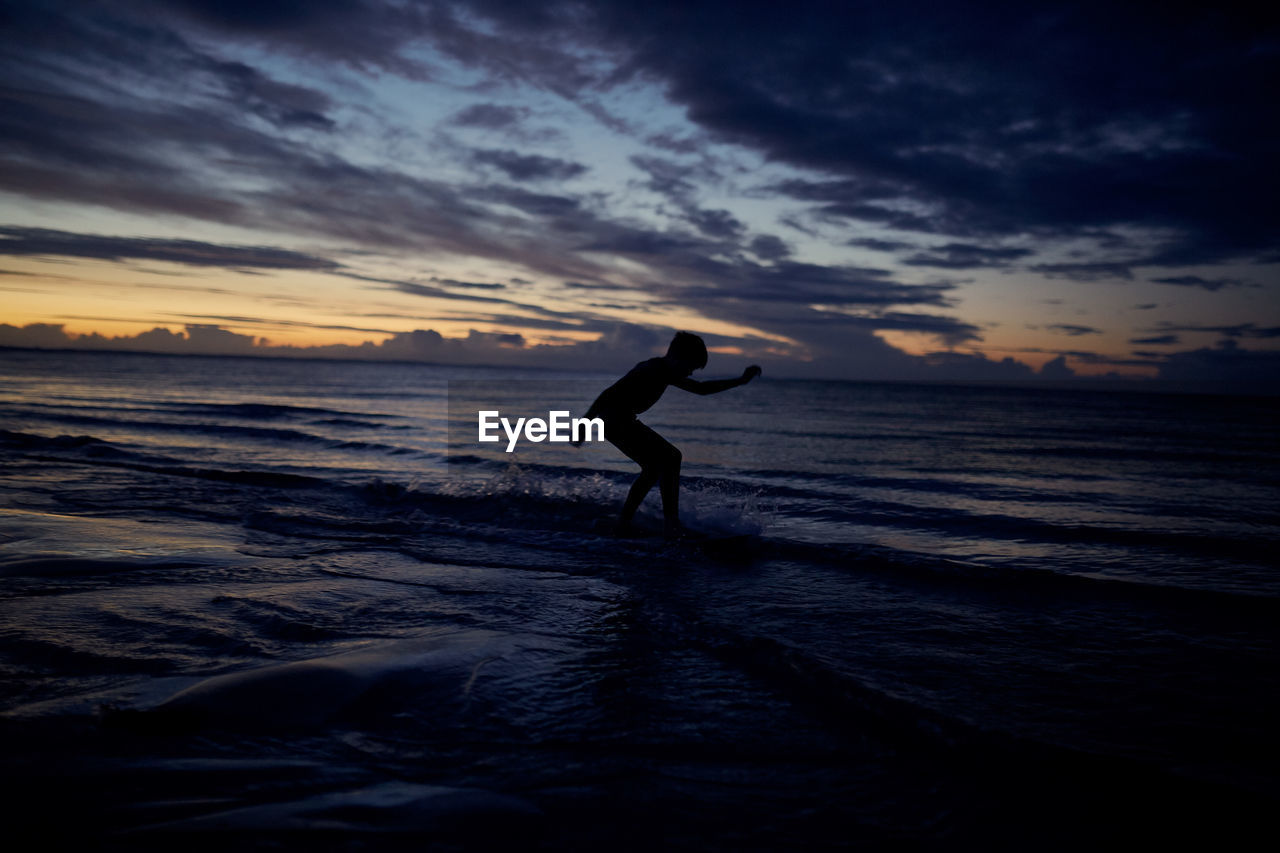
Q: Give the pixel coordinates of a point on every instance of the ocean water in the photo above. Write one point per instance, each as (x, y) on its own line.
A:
(292, 602)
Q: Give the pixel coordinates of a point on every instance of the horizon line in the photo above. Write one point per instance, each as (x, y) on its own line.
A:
(1104, 384)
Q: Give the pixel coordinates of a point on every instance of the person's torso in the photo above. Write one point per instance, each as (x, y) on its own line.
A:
(637, 391)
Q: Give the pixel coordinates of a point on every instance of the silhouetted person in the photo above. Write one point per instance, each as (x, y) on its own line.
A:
(634, 393)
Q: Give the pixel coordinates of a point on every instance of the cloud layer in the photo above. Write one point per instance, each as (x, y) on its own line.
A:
(1073, 144)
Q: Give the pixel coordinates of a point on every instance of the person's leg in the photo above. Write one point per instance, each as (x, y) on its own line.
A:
(636, 496)
(659, 462)
(669, 483)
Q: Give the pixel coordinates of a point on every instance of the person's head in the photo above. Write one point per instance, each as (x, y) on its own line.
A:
(688, 349)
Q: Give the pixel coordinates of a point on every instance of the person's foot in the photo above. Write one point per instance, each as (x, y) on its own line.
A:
(625, 529)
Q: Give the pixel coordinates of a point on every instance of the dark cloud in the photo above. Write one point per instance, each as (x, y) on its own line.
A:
(879, 245)
(67, 34)
(414, 288)
(1057, 369)
(926, 117)
(974, 367)
(365, 34)
(786, 297)
(716, 224)
(1087, 271)
(281, 104)
(586, 323)
(942, 119)
(490, 116)
(890, 217)
(1239, 330)
(1209, 284)
(676, 181)
(45, 242)
(769, 248)
(232, 320)
(172, 146)
(966, 114)
(949, 330)
(583, 285)
(1097, 358)
(794, 223)
(1227, 367)
(538, 204)
(864, 188)
(960, 256)
(1162, 340)
(801, 284)
(529, 167)
(474, 285)
(617, 345)
(197, 339)
(675, 144)
(1073, 330)
(625, 241)
(1108, 359)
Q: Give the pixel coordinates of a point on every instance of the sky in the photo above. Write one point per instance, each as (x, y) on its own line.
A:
(911, 191)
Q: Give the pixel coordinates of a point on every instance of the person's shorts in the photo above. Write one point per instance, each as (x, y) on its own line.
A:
(641, 444)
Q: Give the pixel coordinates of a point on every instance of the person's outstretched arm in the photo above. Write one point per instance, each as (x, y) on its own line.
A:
(715, 386)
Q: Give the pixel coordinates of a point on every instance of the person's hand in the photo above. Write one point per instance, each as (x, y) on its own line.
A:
(751, 373)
